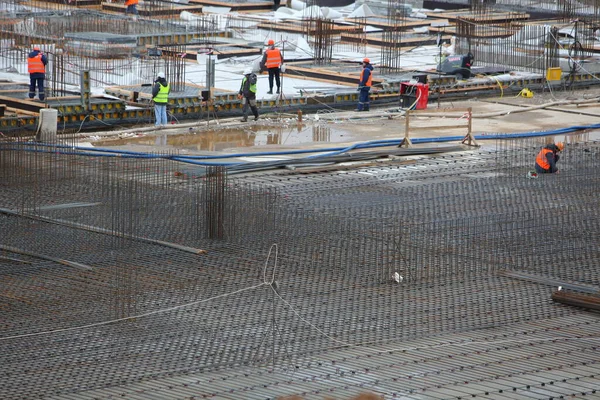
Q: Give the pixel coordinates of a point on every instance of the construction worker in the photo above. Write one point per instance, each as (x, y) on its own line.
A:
(247, 94)
(131, 7)
(545, 162)
(160, 96)
(364, 85)
(272, 61)
(36, 66)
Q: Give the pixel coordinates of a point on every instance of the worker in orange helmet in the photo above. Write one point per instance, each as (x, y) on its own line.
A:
(131, 7)
(36, 66)
(545, 162)
(364, 85)
(272, 61)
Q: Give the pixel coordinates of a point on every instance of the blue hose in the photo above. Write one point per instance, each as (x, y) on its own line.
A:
(197, 160)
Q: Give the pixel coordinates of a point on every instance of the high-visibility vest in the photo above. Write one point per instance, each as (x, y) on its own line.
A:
(131, 2)
(273, 58)
(370, 80)
(35, 64)
(541, 159)
(251, 87)
(163, 94)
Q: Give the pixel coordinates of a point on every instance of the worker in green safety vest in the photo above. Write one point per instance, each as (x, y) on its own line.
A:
(247, 94)
(160, 96)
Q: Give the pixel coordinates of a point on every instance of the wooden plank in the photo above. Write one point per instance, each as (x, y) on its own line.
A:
(473, 17)
(304, 27)
(21, 104)
(152, 11)
(331, 76)
(256, 6)
(403, 25)
(404, 42)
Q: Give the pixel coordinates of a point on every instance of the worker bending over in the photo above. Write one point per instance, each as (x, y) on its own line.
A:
(545, 162)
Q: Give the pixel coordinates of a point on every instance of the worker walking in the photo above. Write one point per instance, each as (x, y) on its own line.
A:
(36, 66)
(364, 85)
(272, 61)
(247, 94)
(545, 162)
(160, 96)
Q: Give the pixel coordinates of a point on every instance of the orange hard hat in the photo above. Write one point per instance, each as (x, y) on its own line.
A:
(366, 60)
(271, 42)
(560, 146)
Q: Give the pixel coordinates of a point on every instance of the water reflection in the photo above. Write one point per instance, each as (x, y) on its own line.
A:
(219, 140)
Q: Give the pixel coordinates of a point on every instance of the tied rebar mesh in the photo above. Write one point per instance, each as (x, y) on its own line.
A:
(391, 44)
(88, 239)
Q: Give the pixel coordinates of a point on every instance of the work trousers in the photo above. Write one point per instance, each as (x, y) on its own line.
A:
(39, 82)
(160, 112)
(249, 104)
(274, 73)
(363, 99)
(132, 9)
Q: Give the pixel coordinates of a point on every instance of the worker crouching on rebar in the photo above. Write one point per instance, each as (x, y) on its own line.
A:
(545, 162)
(364, 85)
(160, 96)
(247, 94)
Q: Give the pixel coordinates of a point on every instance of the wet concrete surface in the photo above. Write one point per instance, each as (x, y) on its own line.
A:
(244, 136)
(543, 112)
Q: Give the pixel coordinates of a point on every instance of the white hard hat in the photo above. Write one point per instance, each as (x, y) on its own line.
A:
(248, 70)
(160, 75)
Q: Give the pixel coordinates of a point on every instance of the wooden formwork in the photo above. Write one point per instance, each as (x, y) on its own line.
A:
(236, 6)
(154, 12)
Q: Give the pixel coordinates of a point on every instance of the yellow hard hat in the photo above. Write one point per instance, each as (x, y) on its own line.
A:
(560, 146)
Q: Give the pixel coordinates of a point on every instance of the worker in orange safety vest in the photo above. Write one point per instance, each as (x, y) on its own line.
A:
(364, 85)
(36, 66)
(545, 162)
(272, 61)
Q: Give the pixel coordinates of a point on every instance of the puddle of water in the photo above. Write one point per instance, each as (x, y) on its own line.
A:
(222, 139)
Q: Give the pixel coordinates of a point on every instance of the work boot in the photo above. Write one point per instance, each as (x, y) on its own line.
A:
(256, 118)
(270, 91)
(277, 91)
(244, 119)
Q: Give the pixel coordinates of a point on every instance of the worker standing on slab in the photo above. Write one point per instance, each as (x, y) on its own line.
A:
(36, 66)
(131, 7)
(272, 61)
(160, 96)
(364, 85)
(247, 94)
(545, 162)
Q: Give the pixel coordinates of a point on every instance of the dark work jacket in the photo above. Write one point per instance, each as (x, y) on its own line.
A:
(245, 88)
(156, 86)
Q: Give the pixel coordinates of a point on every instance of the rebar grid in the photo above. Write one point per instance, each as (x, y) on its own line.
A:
(445, 223)
(323, 39)
(392, 36)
